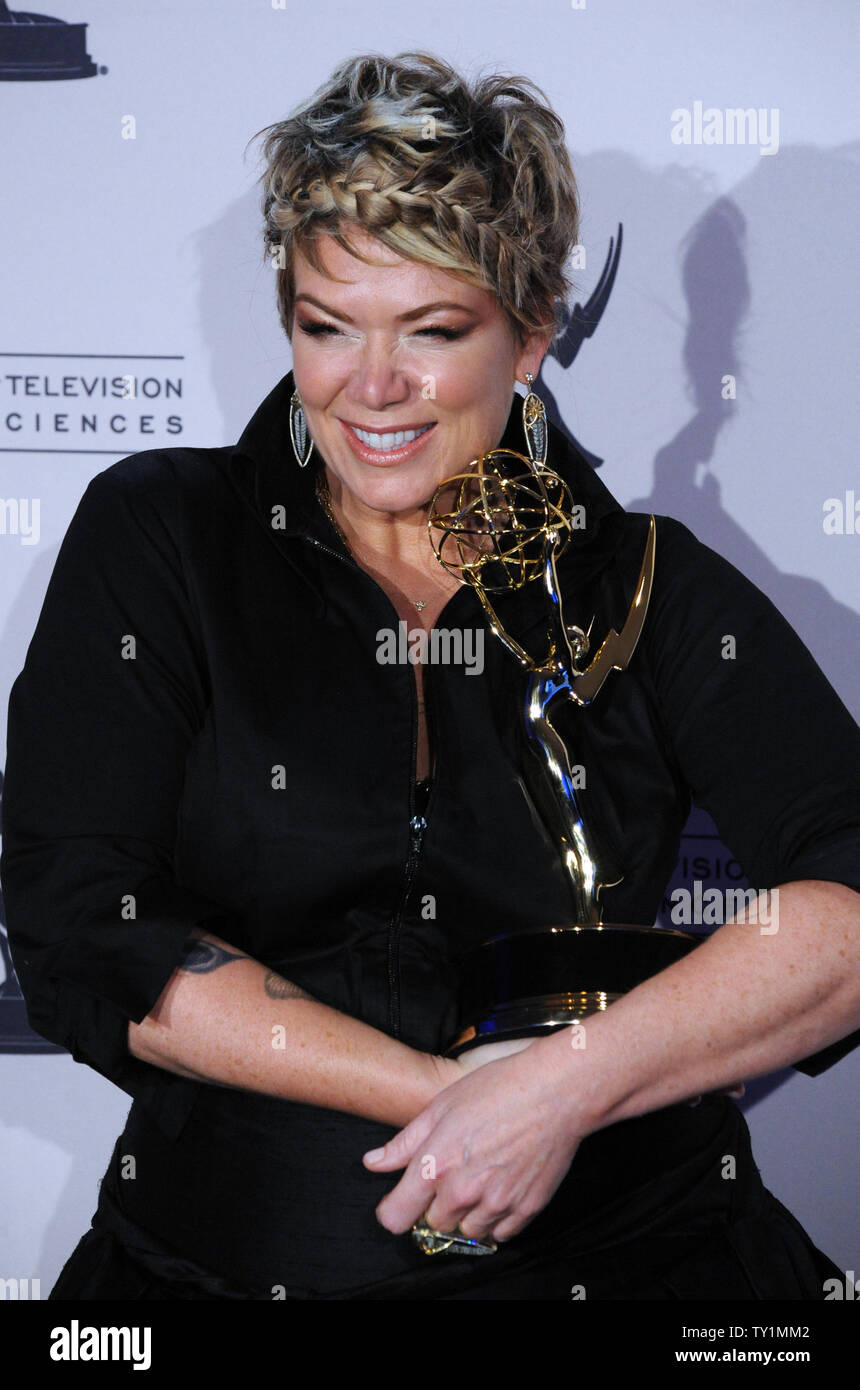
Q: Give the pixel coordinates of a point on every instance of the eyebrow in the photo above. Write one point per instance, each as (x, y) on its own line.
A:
(401, 318)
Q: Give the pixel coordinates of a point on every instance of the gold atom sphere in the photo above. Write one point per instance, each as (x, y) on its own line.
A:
(490, 526)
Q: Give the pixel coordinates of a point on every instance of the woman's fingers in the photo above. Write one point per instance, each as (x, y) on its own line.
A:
(470, 1202)
(500, 1217)
(509, 1226)
(491, 1052)
(487, 1153)
(399, 1150)
(409, 1201)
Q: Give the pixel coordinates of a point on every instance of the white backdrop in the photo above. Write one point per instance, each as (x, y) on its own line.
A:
(142, 256)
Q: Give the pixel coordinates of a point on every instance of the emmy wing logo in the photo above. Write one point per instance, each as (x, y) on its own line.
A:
(39, 48)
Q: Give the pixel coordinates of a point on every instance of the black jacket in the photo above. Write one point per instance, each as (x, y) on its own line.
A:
(250, 766)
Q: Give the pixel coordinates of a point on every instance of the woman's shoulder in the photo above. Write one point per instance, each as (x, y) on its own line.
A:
(168, 473)
(161, 492)
(691, 579)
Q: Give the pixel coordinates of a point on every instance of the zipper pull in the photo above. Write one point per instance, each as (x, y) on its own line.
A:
(418, 825)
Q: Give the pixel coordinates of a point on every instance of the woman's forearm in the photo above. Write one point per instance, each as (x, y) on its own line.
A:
(742, 1004)
(228, 1020)
(746, 1002)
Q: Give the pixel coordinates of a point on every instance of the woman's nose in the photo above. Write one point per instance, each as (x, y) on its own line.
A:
(376, 381)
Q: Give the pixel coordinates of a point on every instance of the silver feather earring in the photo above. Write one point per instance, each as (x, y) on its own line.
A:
(534, 424)
(303, 445)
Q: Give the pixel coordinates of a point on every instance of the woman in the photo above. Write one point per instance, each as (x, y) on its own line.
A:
(244, 856)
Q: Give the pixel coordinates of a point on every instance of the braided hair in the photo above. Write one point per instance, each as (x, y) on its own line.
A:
(470, 178)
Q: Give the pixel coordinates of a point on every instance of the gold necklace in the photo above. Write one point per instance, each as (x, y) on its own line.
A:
(324, 499)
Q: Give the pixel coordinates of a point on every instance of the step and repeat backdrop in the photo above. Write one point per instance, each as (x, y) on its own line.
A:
(716, 147)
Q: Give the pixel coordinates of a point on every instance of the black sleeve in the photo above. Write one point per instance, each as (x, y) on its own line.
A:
(760, 736)
(97, 744)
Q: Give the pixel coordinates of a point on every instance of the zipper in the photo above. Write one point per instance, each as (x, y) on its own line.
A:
(417, 821)
(417, 827)
(339, 555)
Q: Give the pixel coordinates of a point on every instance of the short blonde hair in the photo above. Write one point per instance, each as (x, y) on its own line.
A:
(470, 178)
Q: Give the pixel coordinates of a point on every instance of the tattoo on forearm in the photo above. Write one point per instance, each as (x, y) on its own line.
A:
(278, 988)
(202, 956)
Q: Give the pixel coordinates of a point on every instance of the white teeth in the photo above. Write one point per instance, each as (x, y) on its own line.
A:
(389, 441)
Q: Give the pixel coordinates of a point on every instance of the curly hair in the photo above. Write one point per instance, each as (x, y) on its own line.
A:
(473, 179)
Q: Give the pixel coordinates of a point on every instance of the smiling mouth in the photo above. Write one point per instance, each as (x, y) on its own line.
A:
(391, 439)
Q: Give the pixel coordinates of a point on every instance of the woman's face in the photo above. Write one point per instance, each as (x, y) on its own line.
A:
(401, 349)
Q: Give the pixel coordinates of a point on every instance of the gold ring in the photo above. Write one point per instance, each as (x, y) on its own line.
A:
(433, 1242)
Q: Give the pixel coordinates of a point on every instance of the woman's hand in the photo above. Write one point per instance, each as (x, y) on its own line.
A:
(489, 1151)
(490, 1052)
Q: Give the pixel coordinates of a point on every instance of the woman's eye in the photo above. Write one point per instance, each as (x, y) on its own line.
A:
(314, 327)
(449, 334)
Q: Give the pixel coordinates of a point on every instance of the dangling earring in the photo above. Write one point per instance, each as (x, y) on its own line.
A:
(303, 445)
(534, 425)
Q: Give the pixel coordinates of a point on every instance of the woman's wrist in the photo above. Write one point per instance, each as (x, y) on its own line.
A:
(440, 1071)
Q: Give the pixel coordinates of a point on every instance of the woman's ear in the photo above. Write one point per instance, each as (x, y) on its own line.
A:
(533, 352)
